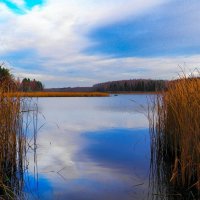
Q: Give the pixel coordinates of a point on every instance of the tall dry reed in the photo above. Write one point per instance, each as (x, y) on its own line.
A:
(13, 143)
(174, 120)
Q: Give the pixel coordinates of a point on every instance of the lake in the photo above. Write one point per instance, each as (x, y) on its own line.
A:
(91, 149)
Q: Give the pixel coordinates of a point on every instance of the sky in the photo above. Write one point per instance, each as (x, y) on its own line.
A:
(67, 43)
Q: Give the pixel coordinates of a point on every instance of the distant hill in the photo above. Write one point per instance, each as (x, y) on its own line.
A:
(134, 85)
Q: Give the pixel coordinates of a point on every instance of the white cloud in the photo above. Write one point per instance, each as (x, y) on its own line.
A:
(56, 32)
(60, 25)
(88, 70)
(18, 2)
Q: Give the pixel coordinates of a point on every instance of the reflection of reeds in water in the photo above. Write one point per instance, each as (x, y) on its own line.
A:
(175, 141)
(13, 146)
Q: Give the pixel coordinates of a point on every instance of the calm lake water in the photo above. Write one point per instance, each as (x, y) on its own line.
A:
(91, 149)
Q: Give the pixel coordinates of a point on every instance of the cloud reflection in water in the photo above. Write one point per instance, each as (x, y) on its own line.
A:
(92, 148)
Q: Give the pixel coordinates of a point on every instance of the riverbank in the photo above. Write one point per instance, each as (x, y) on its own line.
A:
(76, 94)
(175, 138)
(136, 93)
(59, 94)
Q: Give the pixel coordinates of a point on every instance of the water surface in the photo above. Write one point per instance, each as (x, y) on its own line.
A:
(91, 149)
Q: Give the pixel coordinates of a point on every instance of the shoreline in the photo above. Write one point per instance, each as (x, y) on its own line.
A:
(141, 93)
(58, 94)
(75, 94)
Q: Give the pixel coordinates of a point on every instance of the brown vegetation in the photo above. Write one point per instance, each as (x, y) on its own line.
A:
(59, 94)
(13, 141)
(175, 136)
(12, 146)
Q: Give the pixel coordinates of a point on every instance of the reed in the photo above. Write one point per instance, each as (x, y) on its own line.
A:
(174, 120)
(59, 94)
(13, 143)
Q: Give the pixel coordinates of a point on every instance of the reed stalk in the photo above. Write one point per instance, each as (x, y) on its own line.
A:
(13, 143)
(174, 120)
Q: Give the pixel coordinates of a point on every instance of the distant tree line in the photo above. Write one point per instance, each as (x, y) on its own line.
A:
(139, 85)
(9, 83)
(28, 85)
(5, 74)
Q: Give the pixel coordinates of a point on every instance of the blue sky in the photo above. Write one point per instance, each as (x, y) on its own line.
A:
(82, 42)
(19, 6)
(157, 33)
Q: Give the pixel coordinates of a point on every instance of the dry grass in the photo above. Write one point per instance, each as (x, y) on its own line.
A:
(13, 144)
(59, 94)
(175, 132)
